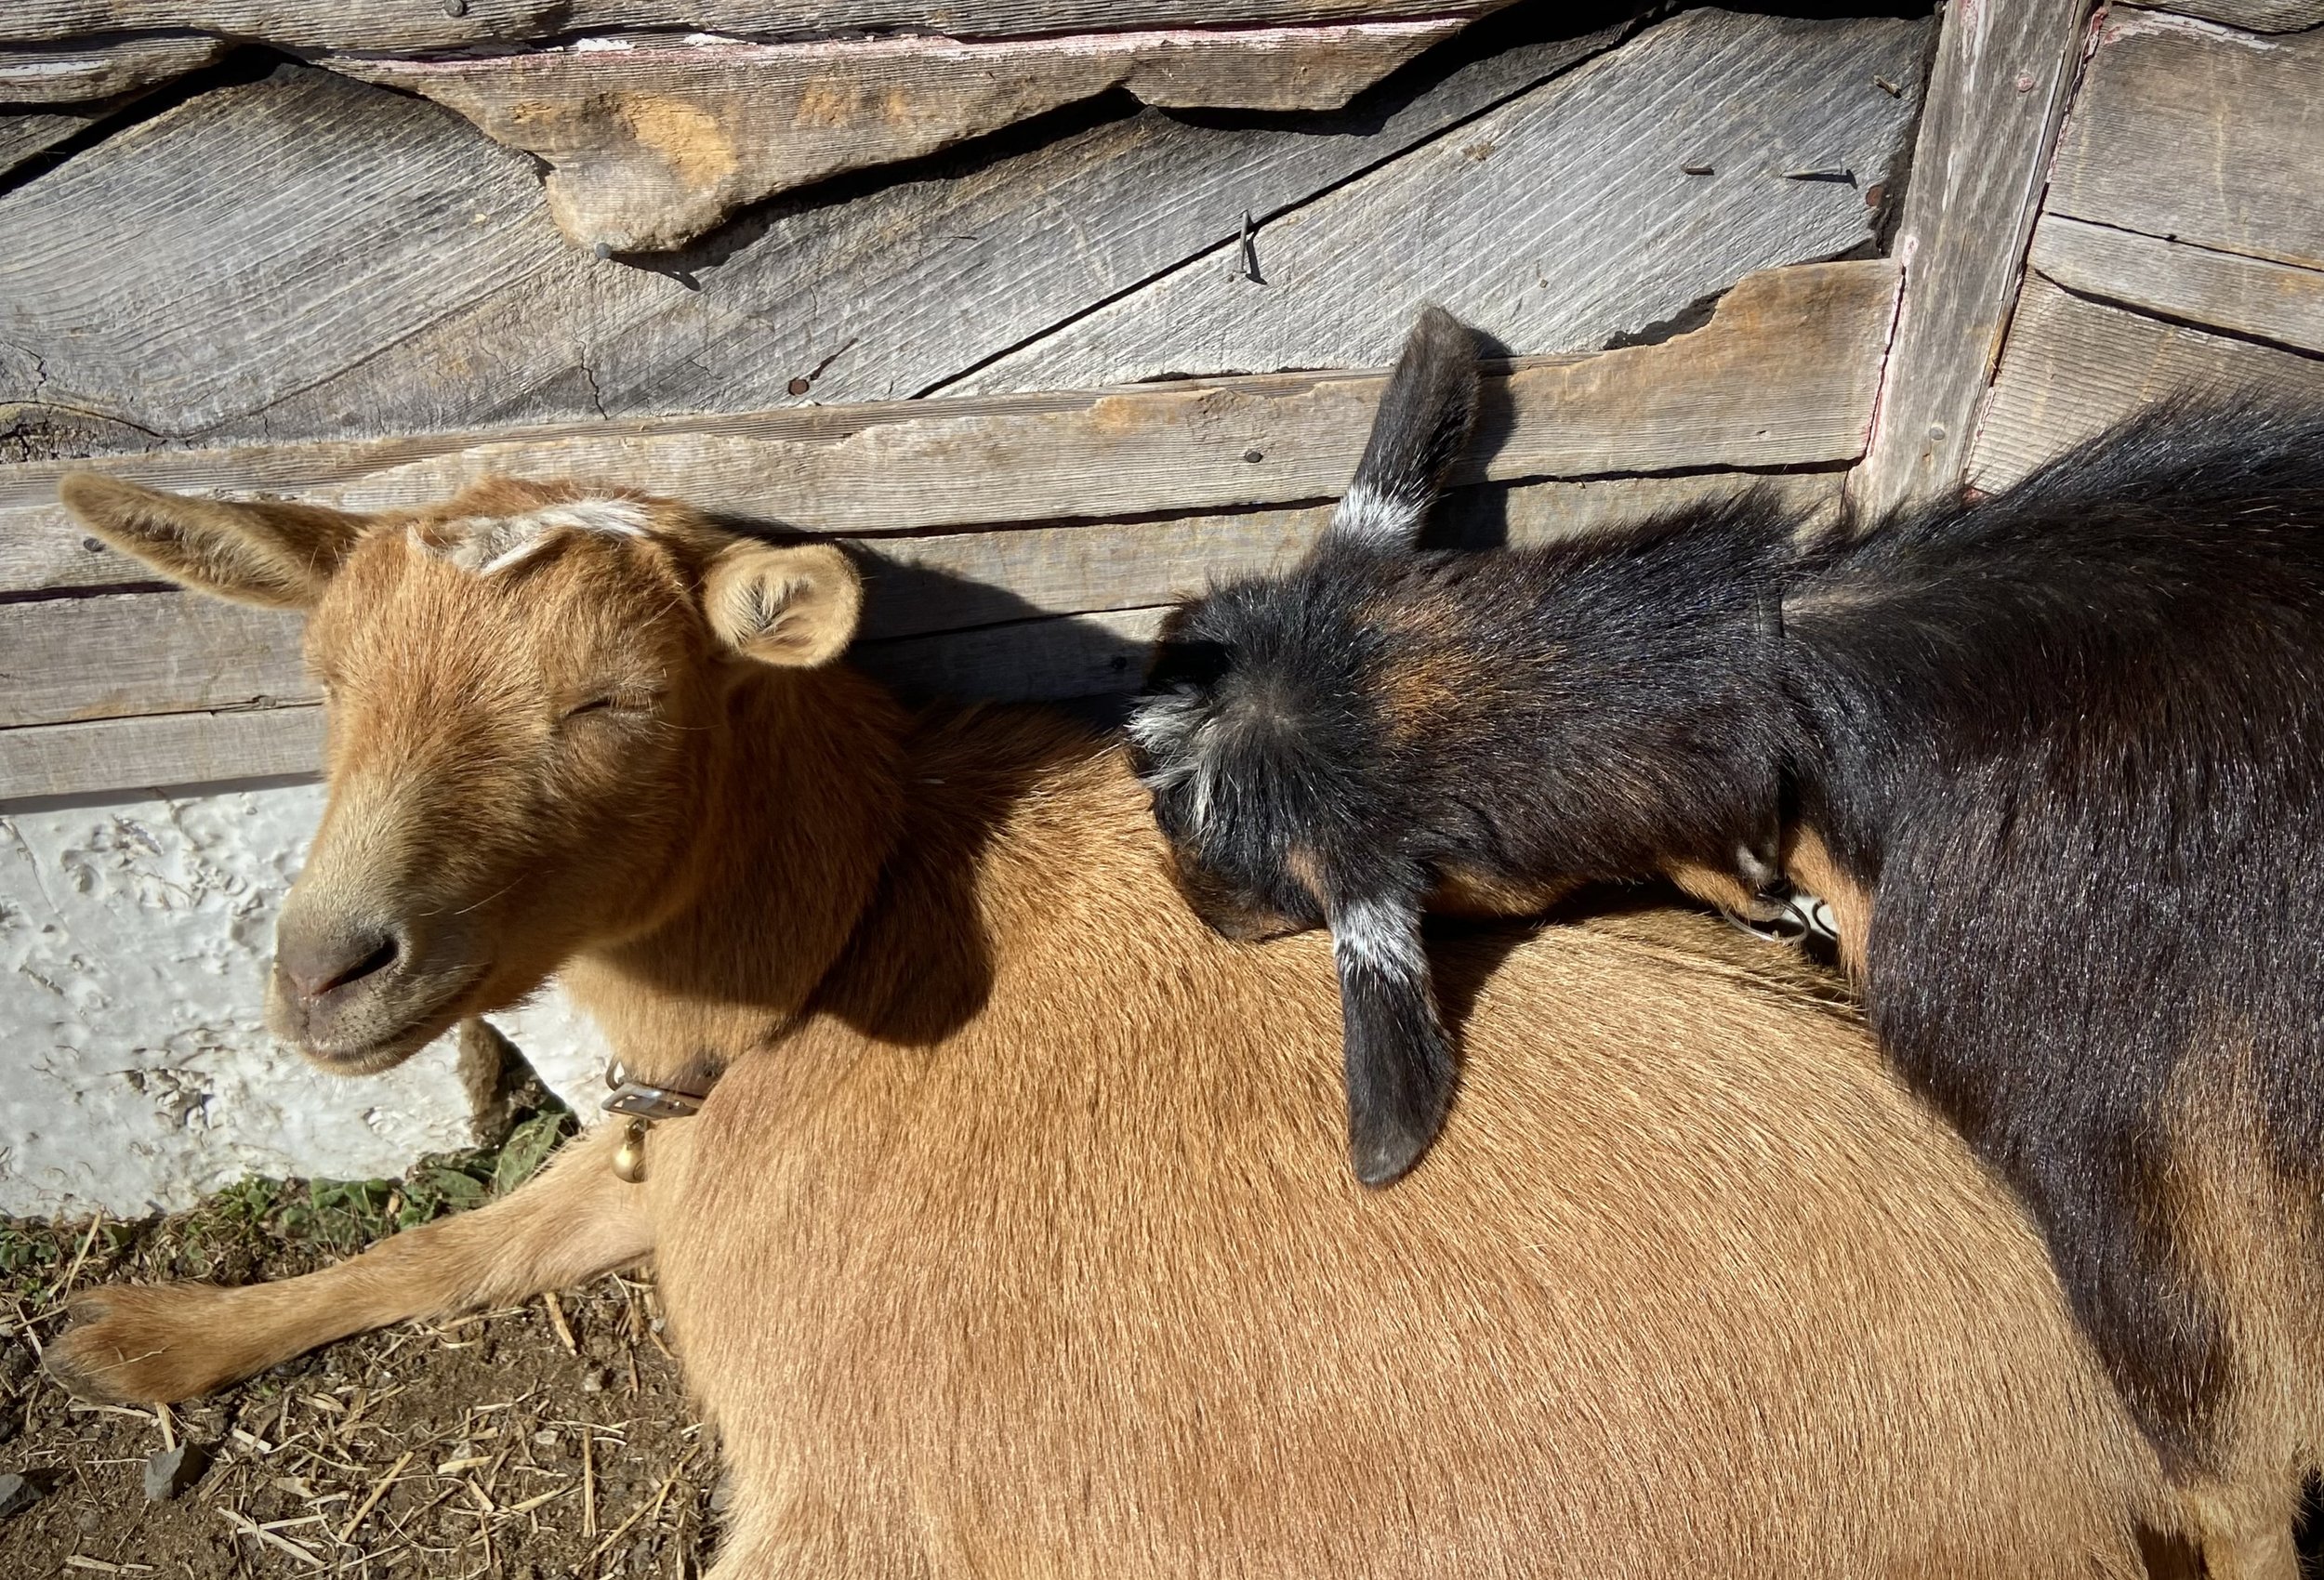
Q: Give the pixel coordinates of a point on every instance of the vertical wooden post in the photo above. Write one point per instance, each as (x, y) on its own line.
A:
(2004, 70)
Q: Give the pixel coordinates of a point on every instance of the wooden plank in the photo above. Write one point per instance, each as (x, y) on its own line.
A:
(65, 660)
(651, 144)
(1781, 375)
(2074, 369)
(22, 136)
(919, 584)
(65, 74)
(2000, 83)
(402, 27)
(433, 292)
(1563, 220)
(2247, 295)
(2201, 134)
(2259, 16)
(159, 753)
(71, 660)
(976, 616)
(1045, 659)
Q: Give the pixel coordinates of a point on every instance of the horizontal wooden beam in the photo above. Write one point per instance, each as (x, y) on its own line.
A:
(2260, 16)
(2245, 295)
(652, 142)
(159, 752)
(1781, 375)
(1045, 613)
(2075, 368)
(404, 26)
(2201, 134)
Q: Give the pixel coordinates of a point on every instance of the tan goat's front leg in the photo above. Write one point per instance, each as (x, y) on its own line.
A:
(170, 1341)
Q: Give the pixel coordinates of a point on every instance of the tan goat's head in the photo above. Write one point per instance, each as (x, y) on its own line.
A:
(518, 685)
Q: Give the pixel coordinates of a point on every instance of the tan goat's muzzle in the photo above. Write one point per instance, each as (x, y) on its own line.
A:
(359, 994)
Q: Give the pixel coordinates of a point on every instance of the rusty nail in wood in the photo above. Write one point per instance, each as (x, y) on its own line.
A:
(1873, 194)
(1693, 169)
(2024, 82)
(1835, 174)
(799, 385)
(1894, 90)
(1250, 250)
(1254, 454)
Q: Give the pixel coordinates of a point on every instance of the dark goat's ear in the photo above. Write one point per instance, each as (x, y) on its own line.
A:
(1419, 431)
(1399, 1061)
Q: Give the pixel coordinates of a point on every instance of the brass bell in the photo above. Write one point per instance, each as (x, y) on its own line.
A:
(630, 1160)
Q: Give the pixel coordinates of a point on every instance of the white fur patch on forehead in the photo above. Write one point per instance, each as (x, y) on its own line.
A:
(487, 544)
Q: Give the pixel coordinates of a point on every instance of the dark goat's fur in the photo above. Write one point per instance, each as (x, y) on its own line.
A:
(2060, 746)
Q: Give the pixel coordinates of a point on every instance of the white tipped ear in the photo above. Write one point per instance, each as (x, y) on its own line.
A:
(267, 551)
(792, 605)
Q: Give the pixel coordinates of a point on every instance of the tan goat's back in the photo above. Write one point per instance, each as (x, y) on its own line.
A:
(1081, 1285)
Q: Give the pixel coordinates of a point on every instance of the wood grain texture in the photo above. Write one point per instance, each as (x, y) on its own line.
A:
(405, 27)
(304, 258)
(1781, 375)
(1997, 89)
(2259, 16)
(979, 615)
(159, 753)
(2246, 295)
(2200, 134)
(37, 131)
(1562, 220)
(2075, 368)
(650, 144)
(69, 74)
(67, 660)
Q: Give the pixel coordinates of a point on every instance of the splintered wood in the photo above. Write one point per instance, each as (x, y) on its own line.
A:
(650, 142)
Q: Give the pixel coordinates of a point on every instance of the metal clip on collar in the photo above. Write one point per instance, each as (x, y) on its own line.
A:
(642, 1105)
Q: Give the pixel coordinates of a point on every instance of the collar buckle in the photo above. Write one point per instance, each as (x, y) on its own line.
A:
(637, 1099)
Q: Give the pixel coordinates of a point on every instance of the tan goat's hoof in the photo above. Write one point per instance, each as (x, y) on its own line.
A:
(142, 1344)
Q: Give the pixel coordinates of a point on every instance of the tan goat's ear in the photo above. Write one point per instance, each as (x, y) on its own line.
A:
(267, 551)
(789, 604)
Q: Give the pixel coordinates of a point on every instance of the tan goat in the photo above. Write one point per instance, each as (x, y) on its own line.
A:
(1013, 1237)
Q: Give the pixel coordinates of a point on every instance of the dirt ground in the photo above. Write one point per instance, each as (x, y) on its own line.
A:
(547, 1441)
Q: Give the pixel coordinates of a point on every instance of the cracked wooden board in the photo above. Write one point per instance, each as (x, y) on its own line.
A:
(2075, 368)
(70, 74)
(404, 26)
(2148, 149)
(2244, 296)
(1560, 220)
(1998, 88)
(652, 143)
(433, 292)
(1781, 375)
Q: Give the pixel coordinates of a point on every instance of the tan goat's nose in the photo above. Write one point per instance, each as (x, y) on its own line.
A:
(322, 962)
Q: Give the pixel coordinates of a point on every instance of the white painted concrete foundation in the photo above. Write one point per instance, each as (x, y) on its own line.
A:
(133, 942)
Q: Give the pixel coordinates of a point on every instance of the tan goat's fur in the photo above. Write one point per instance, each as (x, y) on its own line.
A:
(1015, 1238)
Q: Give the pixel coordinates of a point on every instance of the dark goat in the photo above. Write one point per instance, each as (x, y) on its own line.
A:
(2052, 757)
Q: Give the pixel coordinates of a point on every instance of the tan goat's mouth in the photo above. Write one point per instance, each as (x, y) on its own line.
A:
(419, 1026)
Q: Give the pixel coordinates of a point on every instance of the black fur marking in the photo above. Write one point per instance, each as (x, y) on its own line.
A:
(2070, 740)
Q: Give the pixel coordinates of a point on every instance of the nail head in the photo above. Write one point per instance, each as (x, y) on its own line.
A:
(799, 387)
(1254, 455)
(456, 7)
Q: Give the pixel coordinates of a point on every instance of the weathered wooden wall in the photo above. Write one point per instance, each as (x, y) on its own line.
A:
(2180, 248)
(289, 279)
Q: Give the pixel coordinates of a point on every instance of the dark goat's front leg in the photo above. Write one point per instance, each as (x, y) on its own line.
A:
(155, 1343)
